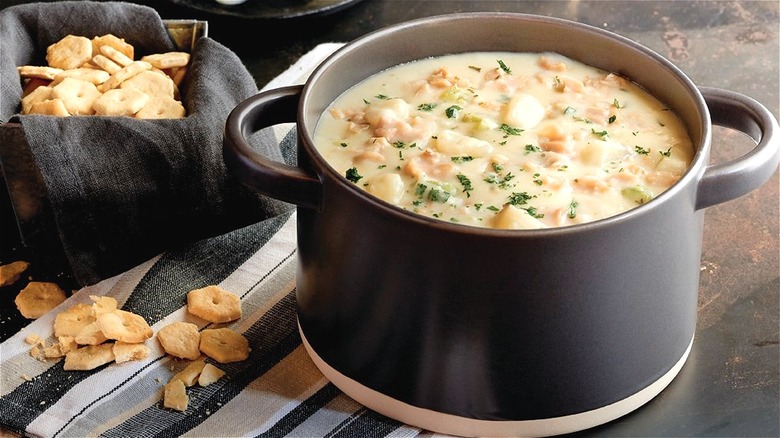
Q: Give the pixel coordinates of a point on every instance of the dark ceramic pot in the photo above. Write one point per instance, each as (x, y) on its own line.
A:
(474, 331)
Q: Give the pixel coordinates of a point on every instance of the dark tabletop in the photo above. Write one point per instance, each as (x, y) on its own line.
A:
(730, 385)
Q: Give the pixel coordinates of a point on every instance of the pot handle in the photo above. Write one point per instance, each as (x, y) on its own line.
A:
(277, 180)
(726, 181)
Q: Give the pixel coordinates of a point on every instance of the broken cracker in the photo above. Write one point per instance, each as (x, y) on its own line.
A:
(67, 343)
(103, 304)
(89, 357)
(167, 59)
(40, 72)
(50, 107)
(175, 396)
(40, 94)
(11, 272)
(190, 374)
(53, 351)
(91, 334)
(124, 351)
(209, 375)
(224, 345)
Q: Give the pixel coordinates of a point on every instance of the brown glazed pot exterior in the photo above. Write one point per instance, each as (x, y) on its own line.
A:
(497, 332)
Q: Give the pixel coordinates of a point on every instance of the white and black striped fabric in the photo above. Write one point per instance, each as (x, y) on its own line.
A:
(276, 392)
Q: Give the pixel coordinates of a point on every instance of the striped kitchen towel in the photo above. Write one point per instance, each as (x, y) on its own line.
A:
(277, 391)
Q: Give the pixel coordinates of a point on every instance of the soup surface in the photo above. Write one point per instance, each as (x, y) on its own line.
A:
(505, 140)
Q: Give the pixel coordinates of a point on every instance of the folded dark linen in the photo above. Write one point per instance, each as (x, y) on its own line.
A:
(123, 190)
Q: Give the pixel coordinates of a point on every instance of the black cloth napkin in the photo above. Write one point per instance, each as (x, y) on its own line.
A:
(123, 190)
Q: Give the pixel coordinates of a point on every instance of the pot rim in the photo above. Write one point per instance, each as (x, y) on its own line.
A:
(691, 175)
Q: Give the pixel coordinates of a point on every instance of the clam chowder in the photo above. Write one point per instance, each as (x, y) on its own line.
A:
(505, 140)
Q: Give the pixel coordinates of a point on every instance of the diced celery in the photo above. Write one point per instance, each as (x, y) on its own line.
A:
(638, 194)
(481, 123)
(454, 94)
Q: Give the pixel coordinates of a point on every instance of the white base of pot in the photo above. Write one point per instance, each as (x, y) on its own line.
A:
(455, 425)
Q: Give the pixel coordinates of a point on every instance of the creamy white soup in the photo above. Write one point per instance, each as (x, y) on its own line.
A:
(505, 140)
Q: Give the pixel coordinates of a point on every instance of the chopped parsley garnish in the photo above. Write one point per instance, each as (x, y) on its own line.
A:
(402, 144)
(573, 209)
(343, 145)
(532, 211)
(612, 119)
(603, 134)
(438, 195)
(532, 148)
(452, 112)
(382, 97)
(519, 198)
(353, 175)
(426, 106)
(474, 67)
(502, 183)
(641, 151)
(616, 104)
(569, 110)
(463, 159)
(508, 130)
(504, 67)
(666, 154)
(466, 182)
(435, 193)
(505, 183)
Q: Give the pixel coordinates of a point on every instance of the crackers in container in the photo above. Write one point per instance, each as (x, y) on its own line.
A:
(100, 76)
